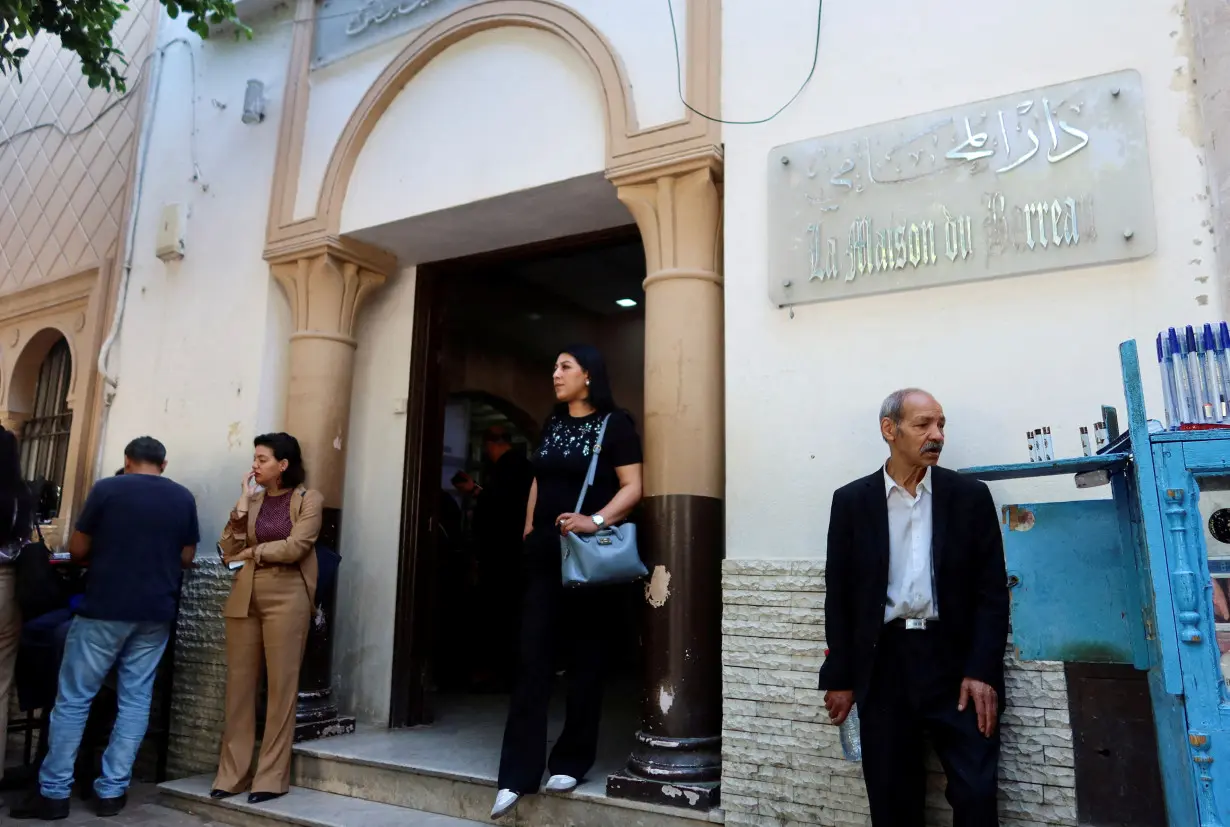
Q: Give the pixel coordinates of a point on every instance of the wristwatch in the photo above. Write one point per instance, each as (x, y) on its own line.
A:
(599, 520)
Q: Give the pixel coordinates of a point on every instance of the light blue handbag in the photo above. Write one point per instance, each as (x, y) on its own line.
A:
(605, 558)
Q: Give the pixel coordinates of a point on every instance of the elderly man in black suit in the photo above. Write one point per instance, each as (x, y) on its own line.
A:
(916, 613)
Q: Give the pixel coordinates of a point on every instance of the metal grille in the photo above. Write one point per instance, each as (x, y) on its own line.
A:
(44, 437)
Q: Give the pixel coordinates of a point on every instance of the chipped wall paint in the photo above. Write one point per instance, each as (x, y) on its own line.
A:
(658, 589)
(1018, 518)
(666, 698)
(672, 791)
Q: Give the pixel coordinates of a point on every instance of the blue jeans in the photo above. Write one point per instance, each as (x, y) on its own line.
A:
(92, 648)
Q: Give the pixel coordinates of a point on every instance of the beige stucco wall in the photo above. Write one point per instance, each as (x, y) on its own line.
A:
(1003, 356)
(428, 153)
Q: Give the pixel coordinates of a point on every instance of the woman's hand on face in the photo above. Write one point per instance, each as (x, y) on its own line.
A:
(247, 486)
(575, 524)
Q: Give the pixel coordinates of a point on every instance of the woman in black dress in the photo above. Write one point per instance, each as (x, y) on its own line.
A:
(583, 401)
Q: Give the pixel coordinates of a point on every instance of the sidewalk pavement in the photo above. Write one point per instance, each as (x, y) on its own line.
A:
(142, 811)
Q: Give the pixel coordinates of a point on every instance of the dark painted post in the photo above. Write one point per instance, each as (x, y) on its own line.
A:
(677, 759)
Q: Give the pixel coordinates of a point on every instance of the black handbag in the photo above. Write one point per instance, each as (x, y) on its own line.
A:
(38, 586)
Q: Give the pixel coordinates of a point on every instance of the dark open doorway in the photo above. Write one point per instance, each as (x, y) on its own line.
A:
(486, 331)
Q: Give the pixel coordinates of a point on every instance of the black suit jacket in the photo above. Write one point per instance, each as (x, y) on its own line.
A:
(971, 583)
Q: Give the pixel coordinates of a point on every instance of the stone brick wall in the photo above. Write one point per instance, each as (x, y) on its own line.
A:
(200, 670)
(782, 761)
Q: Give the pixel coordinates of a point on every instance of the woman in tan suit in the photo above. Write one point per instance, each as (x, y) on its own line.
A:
(270, 541)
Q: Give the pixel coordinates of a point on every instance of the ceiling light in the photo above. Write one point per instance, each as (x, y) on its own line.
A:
(626, 302)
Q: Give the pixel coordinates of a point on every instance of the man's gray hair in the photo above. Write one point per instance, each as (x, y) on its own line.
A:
(892, 406)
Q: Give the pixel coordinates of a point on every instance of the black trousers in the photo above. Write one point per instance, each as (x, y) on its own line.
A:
(915, 687)
(579, 621)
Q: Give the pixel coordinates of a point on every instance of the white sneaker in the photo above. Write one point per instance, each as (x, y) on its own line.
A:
(561, 784)
(505, 800)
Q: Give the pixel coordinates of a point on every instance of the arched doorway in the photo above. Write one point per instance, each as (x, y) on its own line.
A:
(41, 388)
(375, 219)
(491, 327)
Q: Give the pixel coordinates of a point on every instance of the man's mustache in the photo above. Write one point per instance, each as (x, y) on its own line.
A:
(933, 447)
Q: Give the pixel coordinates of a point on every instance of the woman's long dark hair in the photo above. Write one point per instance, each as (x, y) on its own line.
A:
(284, 446)
(591, 361)
(15, 523)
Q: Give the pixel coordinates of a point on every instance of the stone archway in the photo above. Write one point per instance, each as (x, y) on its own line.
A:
(17, 401)
(669, 176)
(553, 19)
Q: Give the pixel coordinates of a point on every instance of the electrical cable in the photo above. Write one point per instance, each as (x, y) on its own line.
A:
(679, 72)
(111, 381)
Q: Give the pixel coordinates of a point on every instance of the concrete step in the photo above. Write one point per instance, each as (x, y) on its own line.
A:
(392, 767)
(308, 808)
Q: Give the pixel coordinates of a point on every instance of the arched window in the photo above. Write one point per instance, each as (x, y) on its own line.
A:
(44, 437)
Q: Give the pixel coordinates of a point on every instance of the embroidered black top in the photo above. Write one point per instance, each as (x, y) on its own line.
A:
(562, 461)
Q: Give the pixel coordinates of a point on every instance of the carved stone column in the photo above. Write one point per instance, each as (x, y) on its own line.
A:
(678, 208)
(326, 284)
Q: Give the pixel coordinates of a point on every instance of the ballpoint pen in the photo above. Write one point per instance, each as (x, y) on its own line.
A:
(1196, 376)
(1212, 374)
(1168, 391)
(1182, 382)
(1223, 362)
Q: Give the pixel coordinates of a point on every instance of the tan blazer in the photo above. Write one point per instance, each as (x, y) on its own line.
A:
(299, 547)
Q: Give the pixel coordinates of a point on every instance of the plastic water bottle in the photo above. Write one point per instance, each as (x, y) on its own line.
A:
(851, 738)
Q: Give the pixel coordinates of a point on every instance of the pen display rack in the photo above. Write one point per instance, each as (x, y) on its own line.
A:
(1195, 372)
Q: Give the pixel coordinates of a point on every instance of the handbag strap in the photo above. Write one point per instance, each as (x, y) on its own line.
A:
(593, 464)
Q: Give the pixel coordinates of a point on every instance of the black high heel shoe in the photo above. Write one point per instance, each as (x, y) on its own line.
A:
(261, 798)
(220, 794)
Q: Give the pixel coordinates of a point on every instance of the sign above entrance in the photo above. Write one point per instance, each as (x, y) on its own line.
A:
(344, 27)
(1046, 179)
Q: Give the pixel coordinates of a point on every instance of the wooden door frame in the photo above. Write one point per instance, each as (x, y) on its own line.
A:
(408, 702)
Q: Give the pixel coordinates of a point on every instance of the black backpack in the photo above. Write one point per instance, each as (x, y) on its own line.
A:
(38, 585)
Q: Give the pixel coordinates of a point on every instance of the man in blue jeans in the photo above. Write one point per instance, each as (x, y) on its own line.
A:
(137, 532)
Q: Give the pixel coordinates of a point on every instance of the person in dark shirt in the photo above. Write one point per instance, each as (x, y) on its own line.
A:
(561, 464)
(136, 533)
(499, 520)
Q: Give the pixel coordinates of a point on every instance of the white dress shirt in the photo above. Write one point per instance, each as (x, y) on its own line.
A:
(911, 587)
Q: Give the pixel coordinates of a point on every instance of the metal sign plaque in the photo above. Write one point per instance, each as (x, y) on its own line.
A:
(1035, 181)
(344, 27)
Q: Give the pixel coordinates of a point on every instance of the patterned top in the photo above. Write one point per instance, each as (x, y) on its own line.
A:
(273, 522)
(561, 463)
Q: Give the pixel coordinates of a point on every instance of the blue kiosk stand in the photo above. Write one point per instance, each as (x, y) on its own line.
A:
(1138, 579)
